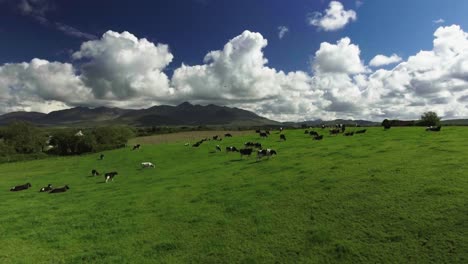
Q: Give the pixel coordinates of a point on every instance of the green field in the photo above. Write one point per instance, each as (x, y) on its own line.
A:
(396, 196)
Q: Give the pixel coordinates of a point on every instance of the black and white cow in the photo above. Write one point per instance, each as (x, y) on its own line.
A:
(215, 137)
(433, 128)
(313, 133)
(348, 134)
(318, 137)
(283, 137)
(137, 146)
(231, 149)
(263, 135)
(110, 176)
(20, 187)
(245, 151)
(227, 135)
(147, 165)
(47, 188)
(94, 172)
(218, 148)
(60, 189)
(265, 153)
(334, 131)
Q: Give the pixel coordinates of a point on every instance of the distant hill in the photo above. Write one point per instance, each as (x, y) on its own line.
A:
(320, 122)
(184, 114)
(455, 122)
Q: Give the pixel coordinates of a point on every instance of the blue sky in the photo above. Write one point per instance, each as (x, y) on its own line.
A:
(52, 30)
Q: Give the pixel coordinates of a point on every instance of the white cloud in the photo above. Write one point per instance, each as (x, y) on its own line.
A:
(343, 57)
(119, 66)
(282, 30)
(439, 21)
(335, 17)
(382, 60)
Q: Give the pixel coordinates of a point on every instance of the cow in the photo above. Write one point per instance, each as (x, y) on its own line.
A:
(47, 188)
(318, 137)
(362, 131)
(283, 137)
(94, 172)
(263, 135)
(147, 165)
(215, 137)
(265, 153)
(20, 187)
(257, 131)
(334, 131)
(253, 144)
(306, 132)
(137, 146)
(348, 134)
(323, 126)
(245, 151)
(110, 176)
(433, 128)
(313, 133)
(227, 135)
(343, 128)
(101, 157)
(231, 149)
(218, 148)
(60, 189)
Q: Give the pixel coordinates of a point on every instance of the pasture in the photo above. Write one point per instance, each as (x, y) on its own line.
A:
(396, 196)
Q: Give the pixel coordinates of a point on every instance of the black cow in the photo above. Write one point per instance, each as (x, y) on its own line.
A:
(47, 188)
(110, 176)
(101, 157)
(265, 153)
(334, 131)
(215, 137)
(318, 137)
(227, 135)
(246, 151)
(218, 148)
(60, 189)
(137, 146)
(348, 134)
(283, 137)
(257, 131)
(253, 144)
(263, 135)
(362, 131)
(313, 133)
(231, 149)
(20, 187)
(433, 128)
(94, 172)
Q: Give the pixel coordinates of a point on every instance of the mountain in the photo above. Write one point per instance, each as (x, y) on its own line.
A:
(184, 114)
(347, 122)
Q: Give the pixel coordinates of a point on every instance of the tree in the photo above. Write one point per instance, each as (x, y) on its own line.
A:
(430, 119)
(386, 124)
(24, 137)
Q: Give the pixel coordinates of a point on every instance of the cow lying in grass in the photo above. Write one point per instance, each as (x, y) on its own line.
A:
(147, 165)
(318, 137)
(94, 172)
(433, 128)
(231, 149)
(20, 187)
(47, 188)
(60, 189)
(246, 151)
(110, 176)
(362, 131)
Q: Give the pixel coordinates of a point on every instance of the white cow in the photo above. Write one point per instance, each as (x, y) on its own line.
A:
(147, 165)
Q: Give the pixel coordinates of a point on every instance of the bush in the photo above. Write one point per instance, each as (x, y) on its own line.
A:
(24, 137)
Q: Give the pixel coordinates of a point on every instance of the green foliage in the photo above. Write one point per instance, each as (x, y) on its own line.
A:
(430, 119)
(370, 198)
(25, 138)
(386, 124)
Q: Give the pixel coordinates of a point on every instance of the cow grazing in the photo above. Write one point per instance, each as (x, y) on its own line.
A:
(283, 137)
(231, 149)
(313, 133)
(218, 148)
(47, 188)
(263, 135)
(137, 146)
(318, 137)
(227, 135)
(245, 151)
(101, 157)
(348, 134)
(147, 165)
(433, 128)
(362, 131)
(265, 153)
(94, 173)
(110, 176)
(20, 187)
(60, 189)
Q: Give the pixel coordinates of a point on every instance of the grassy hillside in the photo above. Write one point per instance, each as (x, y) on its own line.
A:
(397, 196)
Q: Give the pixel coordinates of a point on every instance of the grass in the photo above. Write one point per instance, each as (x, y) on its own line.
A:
(397, 196)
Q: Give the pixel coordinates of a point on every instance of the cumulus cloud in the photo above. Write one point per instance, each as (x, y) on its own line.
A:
(382, 60)
(334, 18)
(282, 30)
(343, 57)
(119, 66)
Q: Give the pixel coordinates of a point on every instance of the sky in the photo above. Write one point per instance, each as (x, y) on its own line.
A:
(285, 60)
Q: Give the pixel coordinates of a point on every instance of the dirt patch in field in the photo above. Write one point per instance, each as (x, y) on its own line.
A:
(186, 137)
